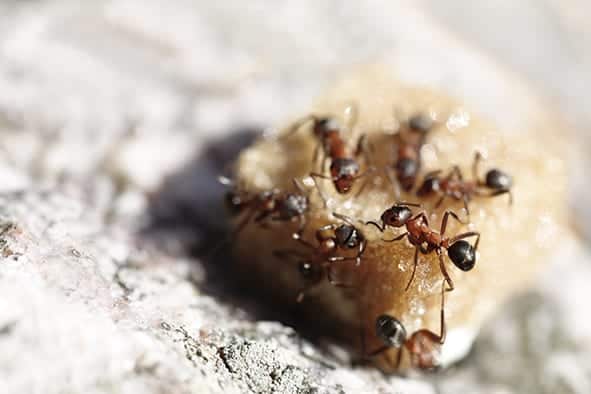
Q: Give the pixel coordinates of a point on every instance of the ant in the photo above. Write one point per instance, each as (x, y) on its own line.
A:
(424, 346)
(427, 240)
(344, 168)
(271, 204)
(410, 139)
(495, 183)
(331, 238)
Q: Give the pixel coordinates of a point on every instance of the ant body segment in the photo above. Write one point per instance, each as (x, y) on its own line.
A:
(495, 183)
(410, 139)
(424, 346)
(344, 168)
(426, 240)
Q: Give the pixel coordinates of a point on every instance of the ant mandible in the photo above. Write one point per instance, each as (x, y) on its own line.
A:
(495, 183)
(424, 346)
(427, 240)
(410, 139)
(344, 168)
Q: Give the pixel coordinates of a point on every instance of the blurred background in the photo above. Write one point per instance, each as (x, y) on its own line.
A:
(115, 117)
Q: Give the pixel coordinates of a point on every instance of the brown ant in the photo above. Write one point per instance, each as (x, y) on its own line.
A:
(274, 205)
(410, 139)
(424, 346)
(331, 238)
(427, 240)
(344, 168)
(495, 183)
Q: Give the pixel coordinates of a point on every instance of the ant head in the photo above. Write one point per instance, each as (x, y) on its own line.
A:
(293, 205)
(347, 235)
(391, 331)
(430, 185)
(462, 254)
(324, 125)
(498, 180)
(396, 216)
(344, 172)
(421, 123)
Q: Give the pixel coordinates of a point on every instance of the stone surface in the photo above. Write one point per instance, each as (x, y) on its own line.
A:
(115, 117)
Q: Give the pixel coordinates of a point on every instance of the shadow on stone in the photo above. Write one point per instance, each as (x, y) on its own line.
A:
(188, 212)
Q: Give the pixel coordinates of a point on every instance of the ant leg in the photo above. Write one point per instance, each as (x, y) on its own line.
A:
(301, 240)
(442, 328)
(440, 201)
(467, 235)
(398, 238)
(444, 272)
(432, 174)
(497, 193)
(241, 225)
(475, 164)
(455, 170)
(414, 268)
(314, 176)
(409, 204)
(370, 170)
(362, 246)
(375, 224)
(423, 217)
(395, 184)
(297, 124)
(336, 283)
(465, 199)
(344, 218)
(316, 154)
(444, 221)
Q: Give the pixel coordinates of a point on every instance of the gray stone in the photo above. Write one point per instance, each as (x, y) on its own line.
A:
(114, 122)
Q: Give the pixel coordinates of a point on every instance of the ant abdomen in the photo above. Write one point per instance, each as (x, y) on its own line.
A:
(462, 254)
(498, 180)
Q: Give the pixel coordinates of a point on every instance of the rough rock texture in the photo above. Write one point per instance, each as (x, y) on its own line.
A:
(115, 117)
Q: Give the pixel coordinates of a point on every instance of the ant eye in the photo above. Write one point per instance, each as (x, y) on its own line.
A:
(462, 254)
(391, 331)
(498, 180)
